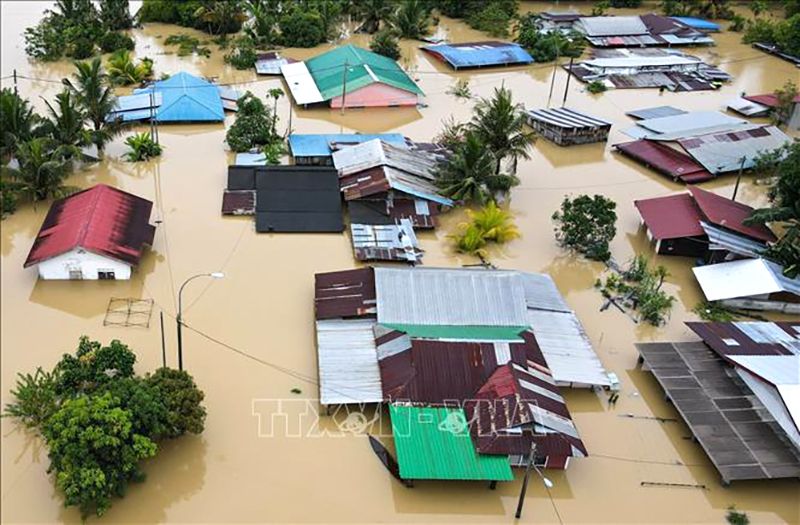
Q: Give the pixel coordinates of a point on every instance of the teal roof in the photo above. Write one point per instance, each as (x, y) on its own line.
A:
(363, 68)
(482, 333)
(434, 443)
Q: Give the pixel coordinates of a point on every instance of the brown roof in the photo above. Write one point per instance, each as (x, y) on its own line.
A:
(728, 339)
(666, 160)
(729, 214)
(671, 217)
(350, 293)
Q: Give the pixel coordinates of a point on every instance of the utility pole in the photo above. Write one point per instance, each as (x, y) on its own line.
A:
(163, 342)
(524, 489)
(569, 75)
(344, 85)
(15, 82)
(738, 179)
(553, 80)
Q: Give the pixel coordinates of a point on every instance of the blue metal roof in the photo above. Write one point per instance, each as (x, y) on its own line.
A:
(250, 159)
(479, 54)
(186, 98)
(697, 23)
(319, 145)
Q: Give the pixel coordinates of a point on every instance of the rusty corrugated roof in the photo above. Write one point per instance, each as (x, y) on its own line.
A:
(757, 338)
(350, 293)
(729, 214)
(671, 217)
(665, 160)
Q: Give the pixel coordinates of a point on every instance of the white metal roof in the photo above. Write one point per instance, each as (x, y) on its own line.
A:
(348, 362)
(731, 151)
(782, 402)
(641, 61)
(541, 293)
(747, 107)
(301, 84)
(775, 369)
(745, 278)
(372, 153)
(688, 122)
(612, 26)
(721, 239)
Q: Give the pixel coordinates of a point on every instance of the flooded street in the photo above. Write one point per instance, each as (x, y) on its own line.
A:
(264, 307)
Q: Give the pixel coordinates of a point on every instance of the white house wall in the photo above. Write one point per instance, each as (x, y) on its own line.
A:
(89, 263)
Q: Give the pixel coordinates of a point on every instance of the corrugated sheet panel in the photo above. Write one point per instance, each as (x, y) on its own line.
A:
(612, 25)
(725, 152)
(745, 278)
(729, 214)
(434, 443)
(671, 217)
(239, 202)
(385, 242)
(721, 239)
(566, 118)
(479, 54)
(698, 23)
(691, 123)
(656, 112)
(320, 145)
(782, 402)
(187, 98)
(301, 83)
(272, 66)
(775, 369)
(748, 108)
(450, 297)
(379, 179)
(348, 362)
(350, 293)
(541, 293)
(665, 160)
(567, 349)
(760, 338)
(377, 153)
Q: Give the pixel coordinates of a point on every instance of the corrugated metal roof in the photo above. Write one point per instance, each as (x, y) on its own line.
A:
(721, 239)
(450, 297)
(187, 98)
(251, 159)
(479, 54)
(566, 118)
(460, 332)
(320, 145)
(385, 242)
(541, 293)
(135, 107)
(656, 112)
(665, 160)
(783, 402)
(348, 362)
(301, 84)
(729, 214)
(434, 443)
(770, 99)
(748, 108)
(567, 349)
(724, 152)
(745, 278)
(270, 64)
(239, 202)
(612, 25)
(671, 217)
(375, 152)
(380, 179)
(350, 293)
(698, 23)
(642, 61)
(103, 220)
(749, 338)
(689, 124)
(775, 369)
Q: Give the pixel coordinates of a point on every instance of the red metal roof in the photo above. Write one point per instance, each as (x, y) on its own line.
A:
(769, 100)
(350, 293)
(729, 214)
(671, 217)
(666, 160)
(102, 220)
(727, 339)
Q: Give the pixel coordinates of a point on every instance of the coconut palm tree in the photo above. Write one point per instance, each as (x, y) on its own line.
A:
(123, 71)
(495, 224)
(222, 17)
(501, 127)
(372, 13)
(18, 122)
(41, 170)
(65, 126)
(264, 16)
(411, 19)
(96, 98)
(468, 173)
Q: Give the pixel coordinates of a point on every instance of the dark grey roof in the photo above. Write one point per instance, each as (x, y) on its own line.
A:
(566, 118)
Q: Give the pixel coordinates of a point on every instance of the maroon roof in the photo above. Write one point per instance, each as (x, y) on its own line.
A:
(769, 100)
(239, 202)
(729, 214)
(666, 160)
(671, 217)
(350, 293)
(411, 209)
(364, 183)
(727, 339)
(102, 220)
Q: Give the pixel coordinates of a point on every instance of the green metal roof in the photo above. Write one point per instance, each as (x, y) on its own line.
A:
(482, 333)
(363, 68)
(434, 443)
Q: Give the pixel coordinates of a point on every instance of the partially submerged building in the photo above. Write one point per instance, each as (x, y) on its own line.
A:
(443, 337)
(765, 105)
(352, 77)
(684, 224)
(99, 233)
(568, 127)
(750, 284)
(317, 150)
(639, 31)
(738, 390)
(480, 54)
(385, 242)
(270, 63)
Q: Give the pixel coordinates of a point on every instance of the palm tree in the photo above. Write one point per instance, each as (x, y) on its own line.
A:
(372, 13)
(495, 225)
(66, 126)
(464, 174)
(97, 100)
(501, 127)
(41, 171)
(275, 93)
(411, 20)
(264, 15)
(123, 71)
(18, 122)
(222, 17)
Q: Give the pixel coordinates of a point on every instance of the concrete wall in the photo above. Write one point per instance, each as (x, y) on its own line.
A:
(88, 263)
(376, 95)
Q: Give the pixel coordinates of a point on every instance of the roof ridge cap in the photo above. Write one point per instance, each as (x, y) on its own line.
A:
(99, 190)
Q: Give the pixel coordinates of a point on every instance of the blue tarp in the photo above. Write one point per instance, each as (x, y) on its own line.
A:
(480, 54)
(186, 98)
(318, 145)
(697, 23)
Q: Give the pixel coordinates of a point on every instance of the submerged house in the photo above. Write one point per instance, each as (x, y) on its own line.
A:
(479, 54)
(763, 106)
(270, 63)
(351, 77)
(463, 340)
(750, 284)
(317, 150)
(639, 31)
(99, 233)
(568, 127)
(702, 224)
(738, 390)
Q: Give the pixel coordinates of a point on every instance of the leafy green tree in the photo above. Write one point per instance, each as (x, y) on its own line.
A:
(587, 225)
(275, 94)
(639, 287)
(94, 451)
(330, 13)
(221, 17)
(41, 171)
(92, 91)
(146, 405)
(677, 7)
(412, 19)
(494, 223)
(114, 41)
(453, 134)
(595, 87)
(385, 43)
(8, 198)
(182, 399)
(302, 29)
(115, 14)
(546, 47)
(71, 28)
(621, 4)
(373, 13)
(18, 122)
(785, 98)
(242, 54)
(264, 15)
(495, 18)
(500, 125)
(36, 398)
(791, 8)
(93, 365)
(758, 6)
(600, 8)
(254, 125)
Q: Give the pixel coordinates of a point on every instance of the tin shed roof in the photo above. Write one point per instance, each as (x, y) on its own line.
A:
(655, 112)
(375, 152)
(665, 160)
(320, 145)
(349, 293)
(749, 338)
(480, 54)
(722, 239)
(698, 23)
(745, 278)
(731, 151)
(671, 217)
(187, 98)
(434, 443)
(348, 363)
(612, 25)
(102, 220)
(567, 118)
(301, 84)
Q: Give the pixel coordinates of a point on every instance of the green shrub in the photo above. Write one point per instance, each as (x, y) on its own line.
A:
(8, 199)
(143, 147)
(242, 54)
(596, 86)
(302, 28)
(81, 49)
(35, 398)
(182, 400)
(545, 47)
(385, 43)
(738, 23)
(493, 19)
(114, 41)
(760, 30)
(187, 45)
(587, 225)
(254, 126)
(638, 287)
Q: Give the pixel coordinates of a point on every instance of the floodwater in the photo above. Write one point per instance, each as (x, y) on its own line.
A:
(235, 472)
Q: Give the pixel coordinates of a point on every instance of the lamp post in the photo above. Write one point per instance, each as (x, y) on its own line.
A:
(547, 483)
(213, 275)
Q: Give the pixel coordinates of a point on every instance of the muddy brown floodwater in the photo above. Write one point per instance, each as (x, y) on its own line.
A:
(264, 307)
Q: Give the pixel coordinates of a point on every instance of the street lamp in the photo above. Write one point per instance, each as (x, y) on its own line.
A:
(213, 275)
